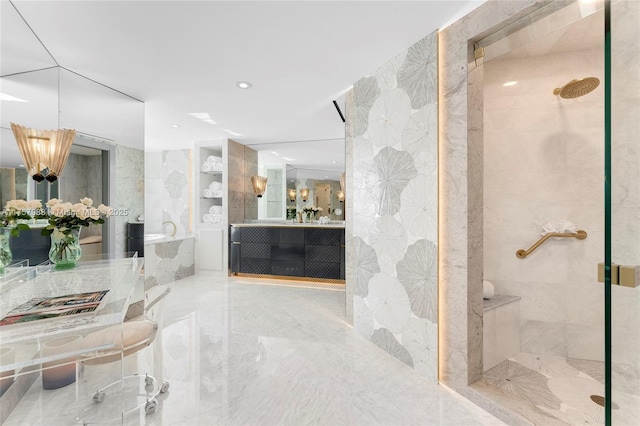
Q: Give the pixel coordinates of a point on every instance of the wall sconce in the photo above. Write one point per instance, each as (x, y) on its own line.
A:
(304, 194)
(44, 150)
(292, 195)
(340, 195)
(259, 184)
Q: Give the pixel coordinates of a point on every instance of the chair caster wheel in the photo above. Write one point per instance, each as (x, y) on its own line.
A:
(98, 396)
(165, 387)
(150, 407)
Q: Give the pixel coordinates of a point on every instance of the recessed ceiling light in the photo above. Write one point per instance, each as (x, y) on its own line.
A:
(288, 159)
(244, 84)
(20, 165)
(334, 162)
(510, 83)
(232, 133)
(175, 125)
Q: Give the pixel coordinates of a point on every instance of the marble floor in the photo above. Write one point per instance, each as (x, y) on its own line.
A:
(238, 352)
(552, 390)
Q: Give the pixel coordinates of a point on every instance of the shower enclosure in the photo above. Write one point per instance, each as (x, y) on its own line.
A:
(561, 149)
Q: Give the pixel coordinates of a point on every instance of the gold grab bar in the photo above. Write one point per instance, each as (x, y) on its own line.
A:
(580, 234)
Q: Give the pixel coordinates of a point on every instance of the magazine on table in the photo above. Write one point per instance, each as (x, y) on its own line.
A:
(51, 307)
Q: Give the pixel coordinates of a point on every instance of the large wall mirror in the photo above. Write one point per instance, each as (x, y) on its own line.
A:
(301, 173)
(38, 93)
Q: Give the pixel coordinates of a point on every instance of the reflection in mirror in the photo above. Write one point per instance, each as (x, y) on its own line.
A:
(315, 166)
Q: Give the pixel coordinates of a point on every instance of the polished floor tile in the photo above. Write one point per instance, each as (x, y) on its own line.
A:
(238, 352)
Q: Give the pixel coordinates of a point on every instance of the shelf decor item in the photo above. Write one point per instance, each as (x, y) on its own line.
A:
(65, 223)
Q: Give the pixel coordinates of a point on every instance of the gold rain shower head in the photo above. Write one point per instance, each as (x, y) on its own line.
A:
(577, 88)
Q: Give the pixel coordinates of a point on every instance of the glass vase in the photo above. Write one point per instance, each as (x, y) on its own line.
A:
(65, 248)
(5, 248)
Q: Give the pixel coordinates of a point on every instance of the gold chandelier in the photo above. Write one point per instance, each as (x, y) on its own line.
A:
(259, 184)
(44, 150)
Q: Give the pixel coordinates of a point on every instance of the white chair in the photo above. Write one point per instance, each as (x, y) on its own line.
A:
(130, 337)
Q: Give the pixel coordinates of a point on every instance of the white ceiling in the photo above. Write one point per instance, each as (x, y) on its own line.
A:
(182, 57)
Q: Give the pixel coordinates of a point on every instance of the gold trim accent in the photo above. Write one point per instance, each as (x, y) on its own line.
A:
(288, 278)
(627, 276)
(576, 88)
(580, 235)
(235, 242)
(614, 273)
(478, 53)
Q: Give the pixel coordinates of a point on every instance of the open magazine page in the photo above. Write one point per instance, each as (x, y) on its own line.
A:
(51, 307)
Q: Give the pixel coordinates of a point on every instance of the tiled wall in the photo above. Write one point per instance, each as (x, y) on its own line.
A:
(129, 190)
(392, 218)
(168, 189)
(168, 261)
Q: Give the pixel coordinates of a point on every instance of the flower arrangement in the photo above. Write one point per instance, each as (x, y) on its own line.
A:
(66, 216)
(311, 211)
(19, 210)
(291, 212)
(65, 222)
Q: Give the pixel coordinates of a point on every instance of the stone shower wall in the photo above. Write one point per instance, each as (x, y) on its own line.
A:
(392, 206)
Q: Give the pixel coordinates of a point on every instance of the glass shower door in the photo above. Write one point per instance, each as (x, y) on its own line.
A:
(622, 207)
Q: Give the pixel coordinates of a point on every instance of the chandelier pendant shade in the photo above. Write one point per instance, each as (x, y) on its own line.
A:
(259, 184)
(44, 150)
(292, 195)
(304, 194)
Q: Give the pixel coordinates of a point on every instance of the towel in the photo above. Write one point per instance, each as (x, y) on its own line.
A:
(562, 226)
(215, 210)
(212, 159)
(206, 167)
(207, 193)
(215, 186)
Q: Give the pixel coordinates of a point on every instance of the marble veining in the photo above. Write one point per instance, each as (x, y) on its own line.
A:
(129, 190)
(551, 390)
(240, 353)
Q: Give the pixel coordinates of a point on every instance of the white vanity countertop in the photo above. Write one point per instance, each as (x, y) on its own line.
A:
(315, 224)
(163, 238)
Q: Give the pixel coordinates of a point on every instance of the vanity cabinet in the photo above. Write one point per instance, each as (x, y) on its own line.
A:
(287, 251)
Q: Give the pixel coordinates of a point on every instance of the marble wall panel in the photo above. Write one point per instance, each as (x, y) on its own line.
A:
(236, 182)
(392, 252)
(250, 169)
(153, 185)
(460, 165)
(625, 88)
(129, 191)
(176, 190)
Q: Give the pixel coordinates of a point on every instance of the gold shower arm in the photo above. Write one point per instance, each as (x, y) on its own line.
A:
(580, 234)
